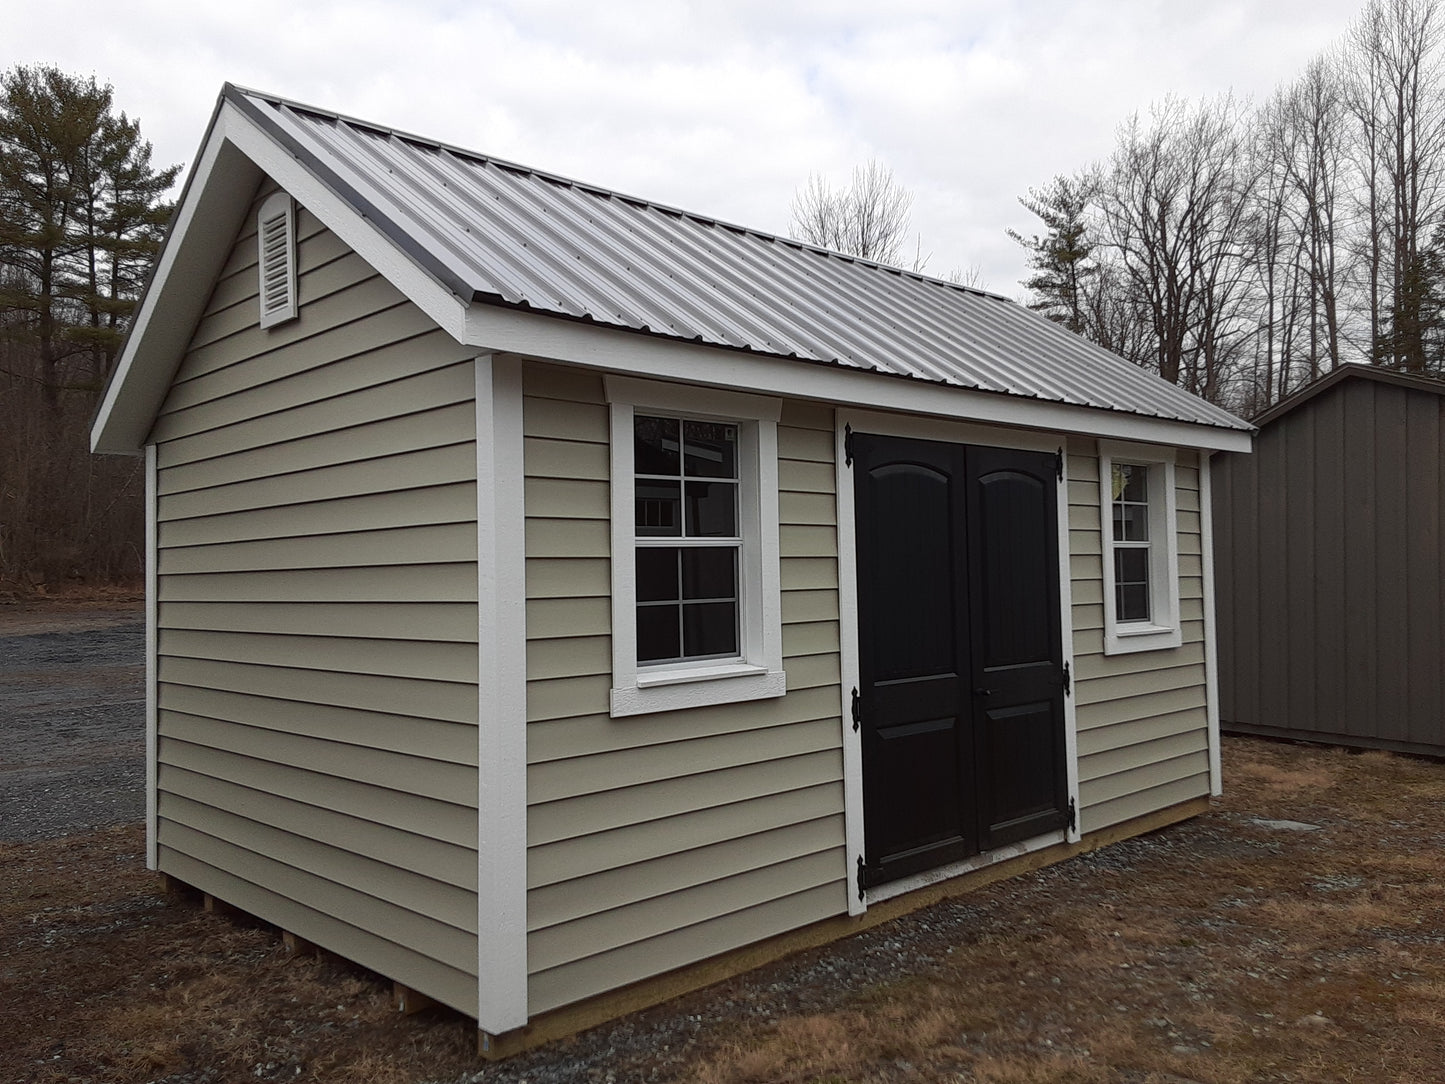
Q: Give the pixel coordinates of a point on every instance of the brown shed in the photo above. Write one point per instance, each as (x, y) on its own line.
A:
(1331, 566)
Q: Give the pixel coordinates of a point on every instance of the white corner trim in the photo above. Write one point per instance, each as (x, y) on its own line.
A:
(502, 700)
(152, 703)
(853, 822)
(758, 673)
(1066, 640)
(1211, 626)
(1164, 632)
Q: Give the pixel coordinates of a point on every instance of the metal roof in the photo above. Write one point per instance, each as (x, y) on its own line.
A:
(498, 233)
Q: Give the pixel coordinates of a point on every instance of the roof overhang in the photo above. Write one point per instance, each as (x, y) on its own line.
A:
(496, 329)
(242, 145)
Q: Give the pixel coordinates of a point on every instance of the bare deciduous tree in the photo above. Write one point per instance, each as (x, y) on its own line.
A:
(1397, 99)
(868, 218)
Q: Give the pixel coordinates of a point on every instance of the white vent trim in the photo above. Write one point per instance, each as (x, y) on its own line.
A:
(276, 259)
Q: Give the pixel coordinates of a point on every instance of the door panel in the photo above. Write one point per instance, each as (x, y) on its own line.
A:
(961, 700)
(1017, 651)
(917, 749)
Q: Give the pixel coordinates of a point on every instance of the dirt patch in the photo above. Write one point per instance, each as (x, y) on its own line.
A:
(1294, 933)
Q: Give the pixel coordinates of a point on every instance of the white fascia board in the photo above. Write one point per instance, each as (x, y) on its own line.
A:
(235, 155)
(501, 329)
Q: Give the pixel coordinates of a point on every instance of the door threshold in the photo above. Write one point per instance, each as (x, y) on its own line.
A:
(915, 881)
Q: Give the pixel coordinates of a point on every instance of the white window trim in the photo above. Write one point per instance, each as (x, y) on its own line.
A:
(278, 207)
(758, 671)
(1162, 631)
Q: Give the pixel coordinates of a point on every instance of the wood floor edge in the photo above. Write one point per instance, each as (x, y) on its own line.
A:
(569, 1020)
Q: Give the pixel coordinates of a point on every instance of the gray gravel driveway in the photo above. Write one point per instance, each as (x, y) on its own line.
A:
(72, 721)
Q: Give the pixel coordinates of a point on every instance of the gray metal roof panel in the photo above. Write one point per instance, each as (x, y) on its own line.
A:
(500, 233)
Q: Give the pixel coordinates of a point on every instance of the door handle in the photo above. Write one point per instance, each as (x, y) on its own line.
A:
(983, 692)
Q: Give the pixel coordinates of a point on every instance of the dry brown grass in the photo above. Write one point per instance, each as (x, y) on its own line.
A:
(1219, 951)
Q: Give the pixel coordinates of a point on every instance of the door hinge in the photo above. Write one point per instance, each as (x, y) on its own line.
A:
(1068, 681)
(1059, 464)
(847, 445)
(861, 896)
(857, 710)
(1073, 816)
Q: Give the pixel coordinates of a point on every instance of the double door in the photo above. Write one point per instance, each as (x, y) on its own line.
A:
(960, 702)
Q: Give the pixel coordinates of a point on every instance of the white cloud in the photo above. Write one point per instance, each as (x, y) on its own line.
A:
(722, 108)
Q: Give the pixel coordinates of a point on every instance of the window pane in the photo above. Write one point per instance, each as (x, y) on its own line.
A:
(1131, 483)
(709, 628)
(711, 450)
(709, 573)
(1131, 565)
(1131, 601)
(657, 633)
(655, 446)
(657, 574)
(1131, 522)
(658, 507)
(712, 510)
(1131, 583)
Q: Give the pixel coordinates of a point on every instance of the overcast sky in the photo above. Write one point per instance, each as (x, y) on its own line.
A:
(720, 108)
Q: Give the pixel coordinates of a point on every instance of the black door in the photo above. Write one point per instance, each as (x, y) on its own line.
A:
(961, 692)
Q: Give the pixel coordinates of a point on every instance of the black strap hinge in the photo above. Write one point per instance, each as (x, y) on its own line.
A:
(1059, 464)
(1073, 816)
(861, 896)
(857, 710)
(847, 445)
(1068, 681)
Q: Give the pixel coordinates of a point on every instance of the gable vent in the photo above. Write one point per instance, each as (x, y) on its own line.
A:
(276, 236)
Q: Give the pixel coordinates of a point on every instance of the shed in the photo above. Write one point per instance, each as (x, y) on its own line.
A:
(558, 600)
(1331, 551)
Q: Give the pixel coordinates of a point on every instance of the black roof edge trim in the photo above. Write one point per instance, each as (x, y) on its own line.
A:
(402, 238)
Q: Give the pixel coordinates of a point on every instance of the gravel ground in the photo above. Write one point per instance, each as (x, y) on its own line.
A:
(72, 715)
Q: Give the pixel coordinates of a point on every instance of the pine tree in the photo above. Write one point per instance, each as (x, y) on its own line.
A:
(1061, 258)
(81, 216)
(82, 212)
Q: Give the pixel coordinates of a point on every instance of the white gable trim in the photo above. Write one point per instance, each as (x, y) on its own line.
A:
(492, 327)
(233, 158)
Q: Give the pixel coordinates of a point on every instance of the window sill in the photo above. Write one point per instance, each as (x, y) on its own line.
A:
(1124, 639)
(680, 688)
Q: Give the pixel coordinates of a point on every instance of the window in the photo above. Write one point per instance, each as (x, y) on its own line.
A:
(1141, 564)
(696, 609)
(276, 259)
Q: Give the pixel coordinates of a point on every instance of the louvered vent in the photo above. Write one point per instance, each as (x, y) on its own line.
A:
(276, 235)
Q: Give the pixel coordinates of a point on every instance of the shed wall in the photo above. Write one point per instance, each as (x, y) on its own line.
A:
(660, 840)
(1331, 571)
(1143, 726)
(317, 619)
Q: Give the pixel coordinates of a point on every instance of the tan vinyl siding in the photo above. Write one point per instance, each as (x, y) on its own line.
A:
(1141, 718)
(659, 840)
(317, 619)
